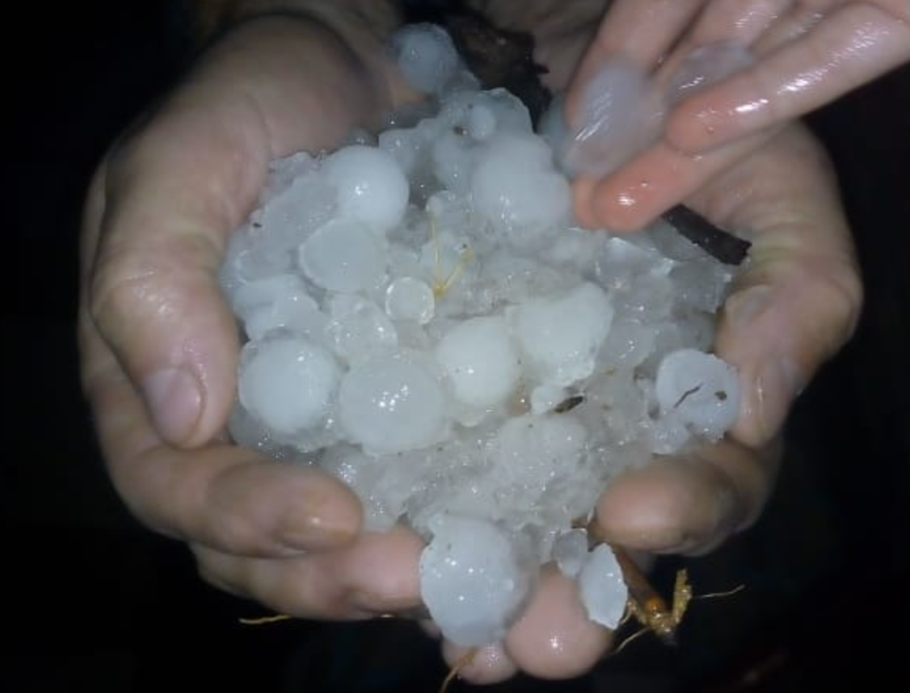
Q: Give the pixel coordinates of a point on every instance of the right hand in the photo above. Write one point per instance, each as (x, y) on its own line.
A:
(159, 344)
(796, 56)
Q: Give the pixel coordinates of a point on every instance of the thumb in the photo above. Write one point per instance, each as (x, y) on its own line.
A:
(152, 285)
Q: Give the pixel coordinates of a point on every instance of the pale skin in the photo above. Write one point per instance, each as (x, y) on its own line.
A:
(160, 210)
(806, 53)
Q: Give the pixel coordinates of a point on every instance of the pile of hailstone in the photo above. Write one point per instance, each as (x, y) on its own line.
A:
(424, 321)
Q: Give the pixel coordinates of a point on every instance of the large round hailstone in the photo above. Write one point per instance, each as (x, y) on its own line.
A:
(602, 588)
(480, 361)
(535, 450)
(371, 186)
(561, 336)
(344, 255)
(515, 186)
(473, 579)
(426, 56)
(700, 389)
(390, 404)
(287, 382)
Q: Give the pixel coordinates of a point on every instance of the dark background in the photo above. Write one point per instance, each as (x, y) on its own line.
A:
(91, 601)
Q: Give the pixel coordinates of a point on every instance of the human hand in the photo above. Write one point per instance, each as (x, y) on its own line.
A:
(795, 304)
(159, 345)
(717, 79)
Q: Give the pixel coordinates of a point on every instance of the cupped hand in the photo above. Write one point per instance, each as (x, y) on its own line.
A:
(159, 345)
(719, 78)
(794, 305)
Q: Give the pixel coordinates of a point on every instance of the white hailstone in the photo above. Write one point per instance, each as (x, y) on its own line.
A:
(410, 299)
(516, 187)
(391, 404)
(405, 145)
(426, 56)
(249, 297)
(299, 314)
(602, 588)
(532, 451)
(570, 551)
(288, 382)
(278, 302)
(345, 256)
(480, 115)
(621, 113)
(359, 329)
(370, 185)
(702, 390)
(561, 336)
(473, 579)
(480, 360)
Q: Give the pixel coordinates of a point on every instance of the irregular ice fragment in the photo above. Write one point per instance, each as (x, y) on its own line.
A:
(570, 551)
(602, 588)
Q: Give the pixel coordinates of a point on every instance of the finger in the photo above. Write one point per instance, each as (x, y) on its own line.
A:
(688, 504)
(612, 83)
(376, 575)
(554, 638)
(651, 183)
(176, 189)
(849, 47)
(800, 296)
(174, 193)
(641, 32)
(220, 495)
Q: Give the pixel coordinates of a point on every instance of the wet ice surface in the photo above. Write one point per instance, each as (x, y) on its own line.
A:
(424, 321)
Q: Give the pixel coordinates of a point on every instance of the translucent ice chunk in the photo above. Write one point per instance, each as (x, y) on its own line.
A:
(288, 382)
(408, 298)
(426, 56)
(516, 188)
(561, 336)
(570, 551)
(480, 360)
(390, 404)
(474, 579)
(371, 186)
(699, 388)
(603, 590)
(621, 113)
(344, 255)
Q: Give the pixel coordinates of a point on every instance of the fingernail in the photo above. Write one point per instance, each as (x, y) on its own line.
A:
(174, 399)
(744, 306)
(778, 383)
(320, 530)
